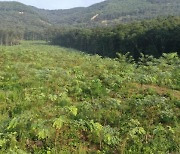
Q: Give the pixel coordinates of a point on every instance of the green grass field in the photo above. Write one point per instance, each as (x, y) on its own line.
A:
(55, 100)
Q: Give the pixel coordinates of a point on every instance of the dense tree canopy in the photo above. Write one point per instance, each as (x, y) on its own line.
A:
(112, 12)
(9, 37)
(152, 37)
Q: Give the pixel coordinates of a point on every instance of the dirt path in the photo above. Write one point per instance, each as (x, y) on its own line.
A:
(160, 90)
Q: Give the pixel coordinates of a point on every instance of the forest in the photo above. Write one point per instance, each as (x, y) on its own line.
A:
(9, 37)
(150, 37)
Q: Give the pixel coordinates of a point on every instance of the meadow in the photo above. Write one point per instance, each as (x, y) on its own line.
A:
(55, 100)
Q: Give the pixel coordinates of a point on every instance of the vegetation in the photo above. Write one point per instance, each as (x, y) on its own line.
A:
(15, 15)
(110, 12)
(20, 19)
(9, 37)
(150, 37)
(58, 100)
(31, 23)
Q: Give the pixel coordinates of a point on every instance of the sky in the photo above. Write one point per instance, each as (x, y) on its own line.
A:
(57, 4)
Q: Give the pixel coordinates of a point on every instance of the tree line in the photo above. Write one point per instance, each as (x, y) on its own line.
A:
(8, 37)
(151, 37)
(13, 37)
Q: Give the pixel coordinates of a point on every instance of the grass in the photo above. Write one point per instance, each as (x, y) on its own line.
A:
(58, 100)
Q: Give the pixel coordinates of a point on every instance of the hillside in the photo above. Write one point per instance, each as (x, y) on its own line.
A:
(14, 15)
(57, 100)
(108, 12)
(112, 12)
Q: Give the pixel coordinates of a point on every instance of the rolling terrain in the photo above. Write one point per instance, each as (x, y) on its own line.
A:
(19, 17)
(109, 12)
(58, 100)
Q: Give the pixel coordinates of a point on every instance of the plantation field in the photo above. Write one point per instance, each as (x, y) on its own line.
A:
(56, 100)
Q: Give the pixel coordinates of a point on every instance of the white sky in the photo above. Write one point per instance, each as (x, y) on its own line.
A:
(57, 4)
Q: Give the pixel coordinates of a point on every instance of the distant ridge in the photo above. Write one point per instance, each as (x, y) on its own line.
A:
(110, 12)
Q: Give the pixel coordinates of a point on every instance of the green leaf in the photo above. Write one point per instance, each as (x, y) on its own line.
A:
(42, 134)
(2, 142)
(108, 138)
(58, 123)
(13, 123)
(73, 110)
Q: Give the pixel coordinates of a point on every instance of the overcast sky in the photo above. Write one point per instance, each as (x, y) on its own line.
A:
(57, 4)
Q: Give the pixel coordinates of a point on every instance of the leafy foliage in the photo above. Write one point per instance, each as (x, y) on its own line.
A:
(58, 100)
(150, 37)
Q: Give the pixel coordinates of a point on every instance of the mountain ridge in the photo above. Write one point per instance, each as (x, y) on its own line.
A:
(109, 12)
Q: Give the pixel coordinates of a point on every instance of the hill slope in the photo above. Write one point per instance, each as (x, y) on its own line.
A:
(115, 11)
(105, 13)
(56, 100)
(21, 17)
